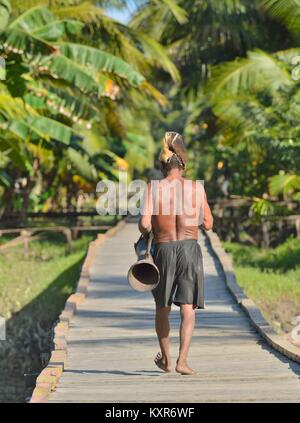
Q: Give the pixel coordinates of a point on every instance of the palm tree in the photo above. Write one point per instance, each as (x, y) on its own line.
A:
(103, 32)
(210, 32)
(256, 100)
(59, 93)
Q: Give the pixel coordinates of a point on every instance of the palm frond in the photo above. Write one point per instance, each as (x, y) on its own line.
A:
(5, 179)
(11, 107)
(133, 46)
(40, 127)
(231, 108)
(287, 56)
(18, 41)
(23, 130)
(157, 55)
(92, 142)
(100, 61)
(33, 18)
(61, 101)
(263, 207)
(15, 151)
(258, 69)
(284, 183)
(82, 164)
(85, 12)
(51, 128)
(153, 92)
(39, 21)
(58, 29)
(20, 6)
(287, 11)
(62, 67)
(177, 11)
(153, 17)
(5, 10)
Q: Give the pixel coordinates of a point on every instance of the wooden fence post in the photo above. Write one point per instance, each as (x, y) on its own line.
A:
(265, 233)
(297, 223)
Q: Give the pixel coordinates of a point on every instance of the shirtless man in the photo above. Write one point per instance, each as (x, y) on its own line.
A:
(177, 253)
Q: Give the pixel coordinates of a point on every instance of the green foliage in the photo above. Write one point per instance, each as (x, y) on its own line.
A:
(284, 184)
(280, 259)
(277, 295)
(78, 80)
(285, 10)
(5, 10)
(257, 103)
(48, 256)
(242, 125)
(271, 278)
(62, 92)
(255, 72)
(262, 207)
(215, 31)
(100, 61)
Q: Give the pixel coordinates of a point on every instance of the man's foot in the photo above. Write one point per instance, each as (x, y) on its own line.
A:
(184, 369)
(161, 363)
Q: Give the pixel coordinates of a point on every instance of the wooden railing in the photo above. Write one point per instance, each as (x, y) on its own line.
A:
(233, 219)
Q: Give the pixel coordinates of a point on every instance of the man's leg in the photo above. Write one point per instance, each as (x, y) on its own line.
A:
(162, 327)
(187, 312)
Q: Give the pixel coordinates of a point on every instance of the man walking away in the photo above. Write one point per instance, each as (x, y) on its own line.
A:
(177, 254)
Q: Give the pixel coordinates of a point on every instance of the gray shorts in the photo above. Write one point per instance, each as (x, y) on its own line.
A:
(181, 271)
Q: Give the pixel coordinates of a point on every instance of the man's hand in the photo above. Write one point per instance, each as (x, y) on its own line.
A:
(145, 231)
(205, 228)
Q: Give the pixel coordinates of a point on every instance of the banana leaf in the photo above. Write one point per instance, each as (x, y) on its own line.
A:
(33, 18)
(16, 152)
(5, 10)
(19, 41)
(58, 29)
(100, 61)
(5, 179)
(42, 127)
(82, 165)
(70, 71)
(52, 128)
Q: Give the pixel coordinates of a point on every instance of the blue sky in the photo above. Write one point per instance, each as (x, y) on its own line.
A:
(124, 15)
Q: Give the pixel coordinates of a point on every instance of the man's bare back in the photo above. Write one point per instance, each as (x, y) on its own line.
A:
(175, 214)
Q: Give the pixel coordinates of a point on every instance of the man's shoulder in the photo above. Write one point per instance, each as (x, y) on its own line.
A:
(189, 180)
(194, 182)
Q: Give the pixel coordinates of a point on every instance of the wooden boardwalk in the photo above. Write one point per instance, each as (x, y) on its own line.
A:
(112, 343)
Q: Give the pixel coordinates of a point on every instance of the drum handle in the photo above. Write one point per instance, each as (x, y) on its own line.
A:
(150, 239)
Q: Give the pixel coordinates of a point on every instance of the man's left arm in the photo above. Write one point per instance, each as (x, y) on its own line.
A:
(145, 225)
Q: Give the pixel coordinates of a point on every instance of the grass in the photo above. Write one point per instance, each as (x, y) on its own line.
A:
(22, 279)
(271, 277)
(33, 291)
(6, 238)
